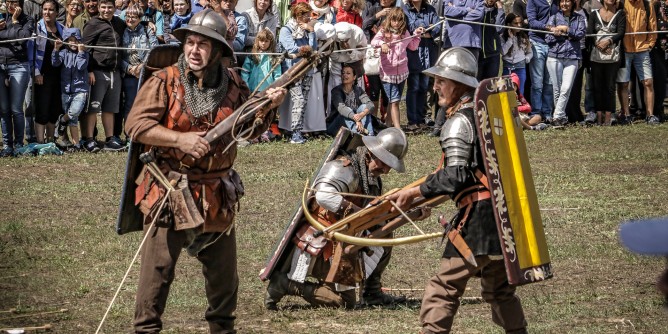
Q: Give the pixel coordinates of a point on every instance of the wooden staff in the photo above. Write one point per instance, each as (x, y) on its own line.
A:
(46, 327)
(34, 314)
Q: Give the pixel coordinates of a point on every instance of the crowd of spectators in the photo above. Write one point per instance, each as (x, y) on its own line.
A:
(63, 62)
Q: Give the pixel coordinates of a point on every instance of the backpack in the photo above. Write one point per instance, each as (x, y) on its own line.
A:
(596, 55)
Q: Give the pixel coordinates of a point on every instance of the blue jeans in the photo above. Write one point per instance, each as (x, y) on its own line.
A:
(416, 97)
(31, 137)
(130, 85)
(11, 102)
(642, 63)
(73, 105)
(393, 91)
(541, 86)
(366, 121)
(521, 73)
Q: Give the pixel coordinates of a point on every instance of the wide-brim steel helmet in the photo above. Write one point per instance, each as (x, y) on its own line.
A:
(209, 24)
(457, 64)
(390, 146)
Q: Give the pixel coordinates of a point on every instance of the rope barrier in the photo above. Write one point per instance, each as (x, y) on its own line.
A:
(258, 53)
(549, 32)
(17, 40)
(393, 42)
(276, 54)
(498, 26)
(95, 46)
(35, 37)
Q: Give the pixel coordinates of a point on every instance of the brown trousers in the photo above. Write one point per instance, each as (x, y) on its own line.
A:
(219, 267)
(325, 295)
(441, 296)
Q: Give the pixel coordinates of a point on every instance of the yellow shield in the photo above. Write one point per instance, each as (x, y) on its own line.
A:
(509, 173)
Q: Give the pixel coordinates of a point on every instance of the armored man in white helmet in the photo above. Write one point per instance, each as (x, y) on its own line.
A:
(474, 248)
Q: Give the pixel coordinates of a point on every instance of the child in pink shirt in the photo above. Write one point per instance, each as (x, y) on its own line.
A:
(393, 39)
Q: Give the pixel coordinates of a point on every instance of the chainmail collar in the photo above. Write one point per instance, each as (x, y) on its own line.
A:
(370, 185)
(205, 97)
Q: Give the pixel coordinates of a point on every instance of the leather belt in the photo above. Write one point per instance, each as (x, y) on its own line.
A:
(465, 199)
(210, 175)
(472, 194)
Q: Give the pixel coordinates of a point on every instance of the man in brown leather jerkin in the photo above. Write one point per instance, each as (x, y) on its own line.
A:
(173, 110)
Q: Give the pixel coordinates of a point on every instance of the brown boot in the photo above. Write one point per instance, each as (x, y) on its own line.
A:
(279, 286)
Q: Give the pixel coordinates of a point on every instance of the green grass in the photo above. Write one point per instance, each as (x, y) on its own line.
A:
(59, 249)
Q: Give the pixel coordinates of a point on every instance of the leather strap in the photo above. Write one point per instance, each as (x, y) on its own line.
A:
(475, 189)
(473, 197)
(212, 175)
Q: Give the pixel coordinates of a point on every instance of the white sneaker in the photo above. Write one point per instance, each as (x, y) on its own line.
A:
(591, 118)
(297, 138)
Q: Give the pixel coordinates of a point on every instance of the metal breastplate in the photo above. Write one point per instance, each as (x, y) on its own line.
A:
(336, 174)
(457, 138)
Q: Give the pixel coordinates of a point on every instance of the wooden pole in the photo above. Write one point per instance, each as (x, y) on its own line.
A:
(34, 314)
(46, 327)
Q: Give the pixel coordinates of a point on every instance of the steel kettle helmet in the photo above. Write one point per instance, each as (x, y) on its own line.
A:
(390, 146)
(210, 24)
(457, 64)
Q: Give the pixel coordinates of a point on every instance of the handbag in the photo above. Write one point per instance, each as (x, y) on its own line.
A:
(597, 55)
(372, 61)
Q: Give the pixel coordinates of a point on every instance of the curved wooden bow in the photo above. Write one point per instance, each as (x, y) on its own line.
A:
(345, 229)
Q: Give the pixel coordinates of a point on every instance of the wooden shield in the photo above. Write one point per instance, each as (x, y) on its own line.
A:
(509, 173)
(344, 140)
(130, 219)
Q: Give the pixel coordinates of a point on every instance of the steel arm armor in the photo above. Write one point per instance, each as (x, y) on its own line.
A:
(457, 137)
(335, 174)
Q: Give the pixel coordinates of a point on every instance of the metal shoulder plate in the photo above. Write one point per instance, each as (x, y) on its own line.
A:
(457, 138)
(334, 173)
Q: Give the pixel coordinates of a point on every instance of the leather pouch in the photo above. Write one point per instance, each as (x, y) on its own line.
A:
(305, 240)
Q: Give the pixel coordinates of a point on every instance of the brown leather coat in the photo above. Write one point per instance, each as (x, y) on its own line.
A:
(215, 186)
